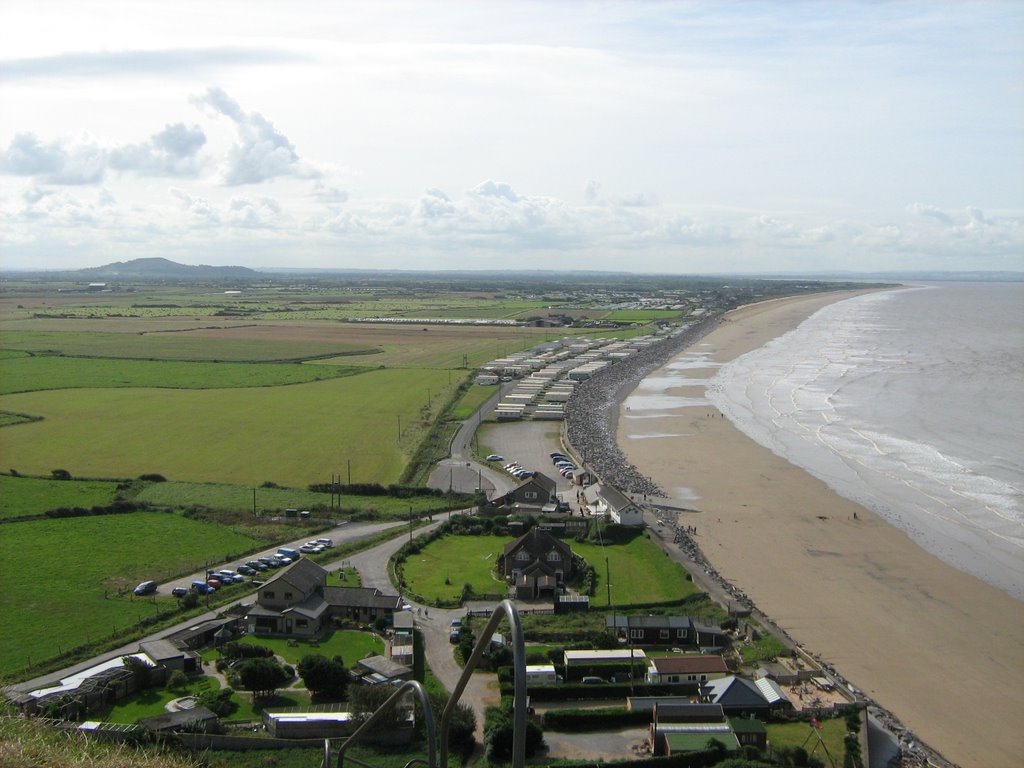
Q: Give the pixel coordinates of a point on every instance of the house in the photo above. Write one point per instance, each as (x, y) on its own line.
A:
(692, 669)
(610, 501)
(534, 491)
(536, 564)
(671, 631)
(169, 654)
(750, 732)
(298, 602)
(601, 663)
(740, 695)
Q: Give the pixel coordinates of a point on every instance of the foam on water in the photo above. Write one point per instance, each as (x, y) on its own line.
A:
(909, 403)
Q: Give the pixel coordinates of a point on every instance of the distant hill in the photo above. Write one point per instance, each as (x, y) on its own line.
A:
(162, 269)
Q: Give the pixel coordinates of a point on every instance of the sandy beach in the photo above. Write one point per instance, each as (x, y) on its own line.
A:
(939, 648)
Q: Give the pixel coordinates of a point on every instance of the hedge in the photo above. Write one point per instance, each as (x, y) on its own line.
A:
(594, 719)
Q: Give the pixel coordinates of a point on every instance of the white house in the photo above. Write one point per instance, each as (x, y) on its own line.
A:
(605, 499)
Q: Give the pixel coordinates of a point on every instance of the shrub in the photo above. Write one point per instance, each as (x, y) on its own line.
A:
(60, 474)
(177, 680)
(218, 701)
(153, 478)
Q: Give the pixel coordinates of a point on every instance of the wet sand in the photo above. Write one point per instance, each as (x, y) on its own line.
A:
(940, 649)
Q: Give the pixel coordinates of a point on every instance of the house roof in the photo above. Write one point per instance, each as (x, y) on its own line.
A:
(733, 691)
(682, 713)
(695, 742)
(360, 597)
(179, 719)
(384, 666)
(161, 650)
(538, 542)
(771, 691)
(648, 622)
(545, 482)
(689, 665)
(747, 725)
(313, 607)
(304, 575)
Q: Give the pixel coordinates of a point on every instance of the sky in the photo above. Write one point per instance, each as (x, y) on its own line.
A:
(659, 137)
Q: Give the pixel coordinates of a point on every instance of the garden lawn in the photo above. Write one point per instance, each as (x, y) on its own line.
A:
(153, 701)
(62, 576)
(350, 644)
(28, 374)
(641, 572)
(471, 401)
(794, 735)
(459, 560)
(293, 435)
(35, 495)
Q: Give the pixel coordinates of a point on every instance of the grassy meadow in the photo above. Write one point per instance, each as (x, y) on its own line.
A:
(34, 495)
(63, 576)
(440, 569)
(292, 435)
(641, 572)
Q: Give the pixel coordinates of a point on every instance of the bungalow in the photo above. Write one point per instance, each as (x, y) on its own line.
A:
(536, 564)
(740, 695)
(693, 669)
(672, 631)
(379, 669)
(189, 720)
(608, 500)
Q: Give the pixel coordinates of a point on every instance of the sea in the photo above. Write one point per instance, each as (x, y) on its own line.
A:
(911, 403)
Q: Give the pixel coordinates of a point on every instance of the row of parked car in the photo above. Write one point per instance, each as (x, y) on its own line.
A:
(562, 464)
(225, 577)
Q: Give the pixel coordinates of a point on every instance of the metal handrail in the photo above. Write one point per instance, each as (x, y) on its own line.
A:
(508, 608)
(428, 716)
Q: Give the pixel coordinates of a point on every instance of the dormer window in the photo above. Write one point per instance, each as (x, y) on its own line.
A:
(522, 556)
(554, 557)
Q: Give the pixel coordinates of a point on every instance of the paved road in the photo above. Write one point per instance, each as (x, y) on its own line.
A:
(435, 626)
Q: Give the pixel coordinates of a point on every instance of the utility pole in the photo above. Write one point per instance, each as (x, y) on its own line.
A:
(608, 578)
(349, 472)
(254, 513)
(399, 427)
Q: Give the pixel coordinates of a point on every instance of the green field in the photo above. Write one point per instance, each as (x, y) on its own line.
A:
(239, 498)
(473, 398)
(292, 435)
(27, 374)
(641, 572)
(34, 496)
(350, 644)
(62, 576)
(457, 560)
(796, 734)
(193, 345)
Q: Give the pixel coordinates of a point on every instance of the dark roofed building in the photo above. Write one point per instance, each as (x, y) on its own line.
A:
(191, 720)
(298, 602)
(672, 631)
(739, 695)
(536, 564)
(534, 491)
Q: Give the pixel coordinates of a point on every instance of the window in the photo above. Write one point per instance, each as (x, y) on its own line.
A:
(287, 595)
(301, 623)
(529, 495)
(691, 678)
(663, 634)
(554, 557)
(673, 678)
(269, 594)
(703, 678)
(681, 633)
(522, 555)
(636, 634)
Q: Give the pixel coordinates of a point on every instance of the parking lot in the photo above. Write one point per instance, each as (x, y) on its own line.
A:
(530, 443)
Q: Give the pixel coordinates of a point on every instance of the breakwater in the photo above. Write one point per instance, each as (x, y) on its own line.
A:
(592, 414)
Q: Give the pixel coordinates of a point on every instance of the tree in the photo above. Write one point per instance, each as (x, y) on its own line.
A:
(60, 474)
(499, 728)
(262, 676)
(325, 678)
(463, 721)
(177, 680)
(367, 699)
(138, 668)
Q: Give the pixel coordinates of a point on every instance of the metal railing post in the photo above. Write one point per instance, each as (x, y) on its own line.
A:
(510, 612)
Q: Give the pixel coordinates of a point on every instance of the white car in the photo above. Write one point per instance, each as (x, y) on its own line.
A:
(495, 457)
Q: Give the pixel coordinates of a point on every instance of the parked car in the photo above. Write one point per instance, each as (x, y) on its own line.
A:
(146, 588)
(455, 633)
(556, 455)
(202, 587)
(246, 570)
(325, 542)
(590, 680)
(215, 583)
(309, 549)
(257, 565)
(495, 457)
(179, 591)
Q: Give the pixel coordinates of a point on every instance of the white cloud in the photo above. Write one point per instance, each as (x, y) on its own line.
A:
(55, 162)
(260, 153)
(172, 152)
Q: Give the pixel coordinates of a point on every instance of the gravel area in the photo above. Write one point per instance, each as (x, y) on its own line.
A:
(592, 415)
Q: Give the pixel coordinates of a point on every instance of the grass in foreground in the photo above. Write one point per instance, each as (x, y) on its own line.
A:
(350, 644)
(796, 734)
(62, 576)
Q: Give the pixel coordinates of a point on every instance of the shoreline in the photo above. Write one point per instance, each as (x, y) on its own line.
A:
(924, 640)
